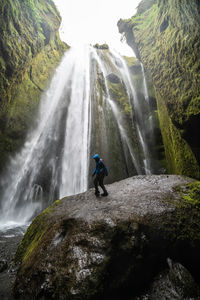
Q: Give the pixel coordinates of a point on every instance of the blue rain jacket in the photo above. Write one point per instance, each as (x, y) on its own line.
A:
(100, 169)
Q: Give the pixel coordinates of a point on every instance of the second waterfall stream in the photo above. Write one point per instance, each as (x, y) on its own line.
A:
(91, 106)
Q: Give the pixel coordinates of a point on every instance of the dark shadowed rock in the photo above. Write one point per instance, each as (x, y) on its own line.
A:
(113, 78)
(174, 283)
(83, 247)
(101, 47)
(3, 265)
(118, 62)
(9, 241)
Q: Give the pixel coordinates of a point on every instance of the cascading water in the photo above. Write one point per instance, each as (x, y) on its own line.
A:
(116, 113)
(146, 95)
(74, 175)
(142, 127)
(54, 159)
(77, 116)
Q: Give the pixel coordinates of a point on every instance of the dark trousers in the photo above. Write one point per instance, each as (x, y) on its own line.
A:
(99, 181)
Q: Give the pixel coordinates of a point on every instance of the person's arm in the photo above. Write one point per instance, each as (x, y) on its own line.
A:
(94, 172)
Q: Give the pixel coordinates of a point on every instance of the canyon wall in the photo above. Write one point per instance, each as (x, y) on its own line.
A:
(30, 49)
(165, 37)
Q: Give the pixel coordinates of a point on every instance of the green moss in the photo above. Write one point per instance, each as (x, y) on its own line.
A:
(118, 94)
(101, 47)
(180, 158)
(192, 193)
(30, 50)
(35, 234)
(131, 61)
(165, 36)
(144, 20)
(187, 222)
(188, 213)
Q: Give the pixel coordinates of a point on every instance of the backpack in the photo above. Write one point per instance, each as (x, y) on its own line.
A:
(105, 169)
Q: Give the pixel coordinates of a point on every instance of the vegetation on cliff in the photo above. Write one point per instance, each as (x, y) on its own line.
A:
(101, 47)
(165, 36)
(30, 48)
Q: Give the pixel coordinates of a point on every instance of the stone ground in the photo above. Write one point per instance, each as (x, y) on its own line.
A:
(9, 241)
(139, 195)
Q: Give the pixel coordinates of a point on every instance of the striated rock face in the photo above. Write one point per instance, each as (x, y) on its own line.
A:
(165, 37)
(30, 49)
(83, 247)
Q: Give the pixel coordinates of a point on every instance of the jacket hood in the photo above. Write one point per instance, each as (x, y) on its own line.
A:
(96, 157)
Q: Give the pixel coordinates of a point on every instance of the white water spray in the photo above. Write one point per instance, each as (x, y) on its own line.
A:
(125, 74)
(55, 155)
(146, 95)
(54, 161)
(74, 178)
(117, 115)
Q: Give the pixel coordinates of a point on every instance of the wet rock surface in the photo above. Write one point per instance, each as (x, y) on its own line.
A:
(83, 247)
(9, 241)
(113, 78)
(174, 283)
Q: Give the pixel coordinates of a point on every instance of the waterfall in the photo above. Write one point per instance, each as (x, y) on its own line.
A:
(142, 127)
(53, 162)
(77, 117)
(116, 113)
(77, 136)
(146, 95)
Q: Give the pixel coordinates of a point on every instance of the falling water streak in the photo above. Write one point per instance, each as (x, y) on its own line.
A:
(124, 136)
(102, 108)
(26, 166)
(146, 95)
(117, 117)
(89, 130)
(132, 93)
(21, 163)
(75, 174)
(59, 146)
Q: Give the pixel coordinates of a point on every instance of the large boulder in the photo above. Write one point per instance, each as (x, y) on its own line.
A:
(83, 247)
(173, 283)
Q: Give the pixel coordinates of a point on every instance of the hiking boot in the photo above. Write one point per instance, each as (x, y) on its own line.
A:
(97, 193)
(104, 194)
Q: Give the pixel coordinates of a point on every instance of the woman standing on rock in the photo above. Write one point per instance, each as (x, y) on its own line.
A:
(100, 171)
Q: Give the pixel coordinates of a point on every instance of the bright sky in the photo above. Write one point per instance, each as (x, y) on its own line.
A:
(95, 21)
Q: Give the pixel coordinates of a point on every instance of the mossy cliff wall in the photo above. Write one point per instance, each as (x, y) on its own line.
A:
(165, 37)
(30, 49)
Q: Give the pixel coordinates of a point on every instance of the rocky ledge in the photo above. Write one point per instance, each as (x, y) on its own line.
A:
(143, 239)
